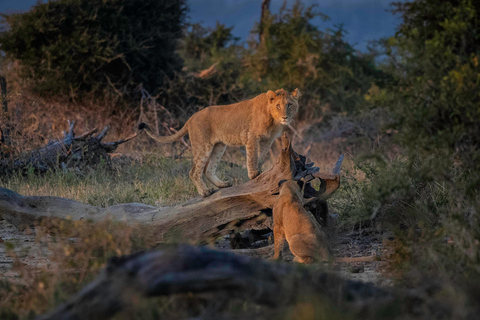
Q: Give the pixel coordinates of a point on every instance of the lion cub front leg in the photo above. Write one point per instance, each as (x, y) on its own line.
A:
(252, 158)
(279, 241)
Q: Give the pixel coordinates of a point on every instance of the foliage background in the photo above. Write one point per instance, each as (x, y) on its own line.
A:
(96, 47)
(406, 112)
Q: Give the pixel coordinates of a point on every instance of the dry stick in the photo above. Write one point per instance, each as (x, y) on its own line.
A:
(5, 131)
(142, 114)
(155, 112)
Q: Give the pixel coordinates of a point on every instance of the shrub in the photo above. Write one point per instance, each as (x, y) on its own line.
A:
(432, 196)
(434, 99)
(97, 46)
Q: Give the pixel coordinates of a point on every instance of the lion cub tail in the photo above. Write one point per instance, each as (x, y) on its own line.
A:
(164, 139)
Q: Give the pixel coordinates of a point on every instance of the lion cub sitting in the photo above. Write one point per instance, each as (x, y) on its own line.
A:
(293, 223)
(253, 123)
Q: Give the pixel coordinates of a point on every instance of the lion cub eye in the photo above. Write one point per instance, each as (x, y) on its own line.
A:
(289, 105)
(278, 106)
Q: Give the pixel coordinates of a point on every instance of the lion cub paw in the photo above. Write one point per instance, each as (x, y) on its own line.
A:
(253, 174)
(207, 192)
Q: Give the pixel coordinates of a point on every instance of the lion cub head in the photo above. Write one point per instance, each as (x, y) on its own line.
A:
(283, 105)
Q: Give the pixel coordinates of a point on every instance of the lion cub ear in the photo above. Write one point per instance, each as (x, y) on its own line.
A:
(296, 93)
(271, 95)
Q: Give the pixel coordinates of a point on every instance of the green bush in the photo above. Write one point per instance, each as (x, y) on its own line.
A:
(432, 97)
(96, 46)
(435, 96)
(429, 194)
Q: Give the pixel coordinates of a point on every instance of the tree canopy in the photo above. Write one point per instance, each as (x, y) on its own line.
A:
(97, 46)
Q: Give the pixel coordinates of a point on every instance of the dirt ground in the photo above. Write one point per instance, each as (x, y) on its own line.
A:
(358, 244)
(19, 247)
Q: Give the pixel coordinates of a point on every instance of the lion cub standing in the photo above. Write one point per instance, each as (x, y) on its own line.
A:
(253, 123)
(293, 223)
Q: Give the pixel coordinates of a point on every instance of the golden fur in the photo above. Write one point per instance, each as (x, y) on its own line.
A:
(291, 222)
(253, 123)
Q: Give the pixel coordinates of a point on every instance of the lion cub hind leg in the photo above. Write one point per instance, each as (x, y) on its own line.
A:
(200, 158)
(211, 169)
(303, 247)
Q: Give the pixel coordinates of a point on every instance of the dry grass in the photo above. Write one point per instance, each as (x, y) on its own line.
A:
(153, 180)
(35, 120)
(75, 251)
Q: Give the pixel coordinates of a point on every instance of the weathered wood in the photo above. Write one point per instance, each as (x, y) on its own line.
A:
(199, 220)
(187, 269)
(71, 151)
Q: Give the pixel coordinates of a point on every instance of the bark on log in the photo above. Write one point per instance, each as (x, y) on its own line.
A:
(199, 220)
(187, 269)
(72, 151)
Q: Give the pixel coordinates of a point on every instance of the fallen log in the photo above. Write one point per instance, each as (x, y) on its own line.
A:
(246, 206)
(72, 151)
(196, 270)
(187, 269)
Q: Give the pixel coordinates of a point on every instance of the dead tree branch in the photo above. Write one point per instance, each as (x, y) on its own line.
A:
(73, 151)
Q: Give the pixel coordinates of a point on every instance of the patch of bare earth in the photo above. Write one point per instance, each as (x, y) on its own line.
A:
(361, 243)
(19, 249)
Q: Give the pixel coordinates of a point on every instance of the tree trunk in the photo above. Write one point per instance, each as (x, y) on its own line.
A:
(265, 10)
